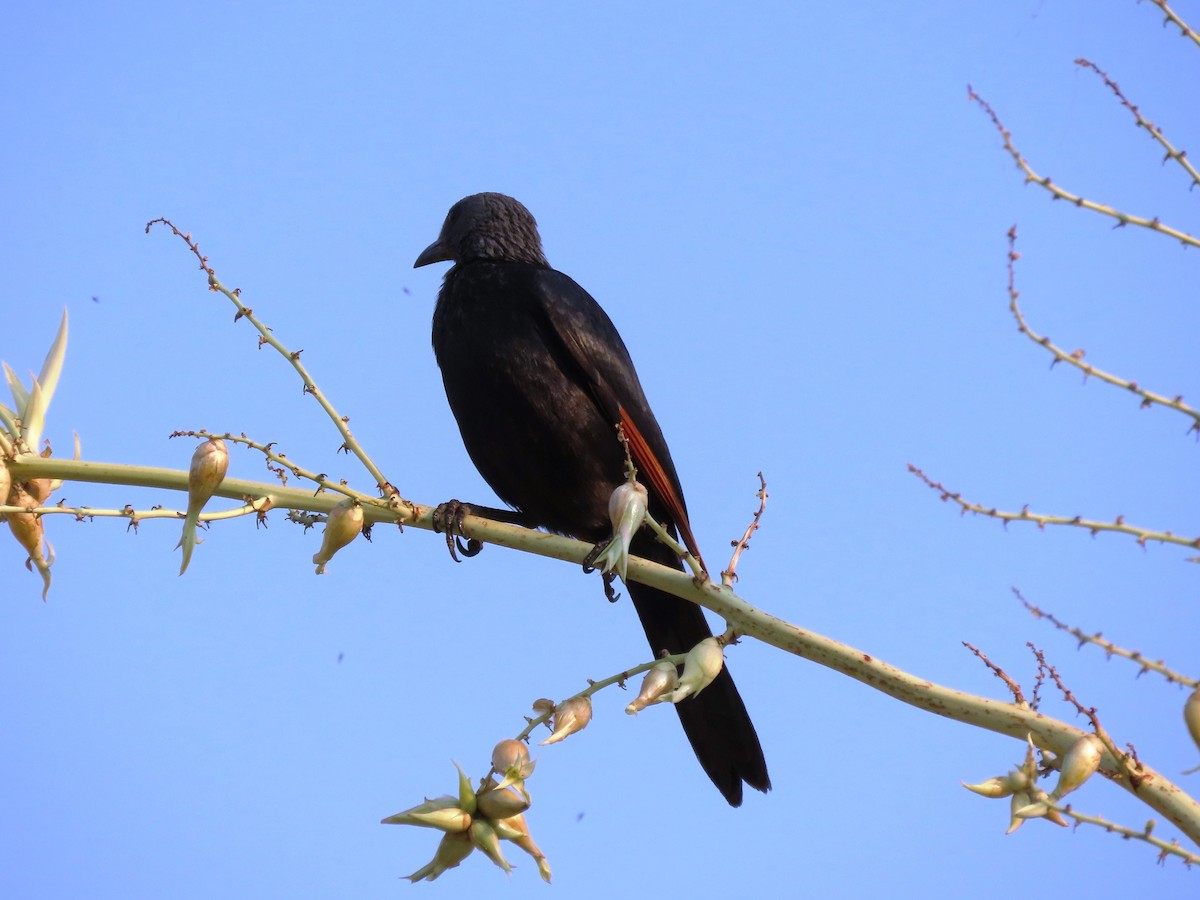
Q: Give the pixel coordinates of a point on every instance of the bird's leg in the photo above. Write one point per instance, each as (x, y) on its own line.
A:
(448, 518)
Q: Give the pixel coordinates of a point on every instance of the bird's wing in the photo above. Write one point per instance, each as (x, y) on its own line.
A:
(574, 322)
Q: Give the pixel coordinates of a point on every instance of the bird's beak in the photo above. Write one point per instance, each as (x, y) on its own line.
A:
(435, 252)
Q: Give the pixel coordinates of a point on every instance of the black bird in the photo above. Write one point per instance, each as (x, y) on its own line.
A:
(538, 378)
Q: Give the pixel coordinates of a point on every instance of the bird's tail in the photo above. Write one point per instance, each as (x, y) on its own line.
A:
(716, 722)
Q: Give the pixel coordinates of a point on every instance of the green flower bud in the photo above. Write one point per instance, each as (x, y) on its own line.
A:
(466, 793)
(516, 830)
(502, 803)
(1080, 764)
(451, 819)
(1000, 786)
(1020, 800)
(484, 836)
(1191, 715)
(453, 849)
(413, 816)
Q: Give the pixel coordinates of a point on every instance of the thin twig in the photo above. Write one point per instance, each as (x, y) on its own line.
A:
(1128, 765)
(999, 673)
(729, 576)
(1058, 193)
(1173, 18)
(1118, 525)
(1179, 156)
(1075, 358)
(1166, 848)
(593, 687)
(266, 336)
(1107, 646)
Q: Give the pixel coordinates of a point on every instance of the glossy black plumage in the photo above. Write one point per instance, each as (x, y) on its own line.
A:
(536, 376)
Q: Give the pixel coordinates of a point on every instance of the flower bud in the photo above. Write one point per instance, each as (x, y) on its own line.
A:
(516, 830)
(1191, 715)
(453, 849)
(570, 716)
(501, 803)
(483, 836)
(210, 462)
(702, 664)
(1000, 786)
(627, 511)
(1079, 764)
(41, 488)
(30, 532)
(510, 760)
(450, 819)
(662, 678)
(1037, 806)
(441, 812)
(344, 525)
(1020, 800)
(466, 793)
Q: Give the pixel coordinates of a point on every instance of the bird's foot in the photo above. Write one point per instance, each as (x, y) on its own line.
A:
(447, 519)
(589, 561)
(609, 578)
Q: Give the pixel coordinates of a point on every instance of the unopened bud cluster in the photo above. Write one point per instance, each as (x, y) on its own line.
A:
(1028, 801)
(19, 436)
(27, 527)
(479, 819)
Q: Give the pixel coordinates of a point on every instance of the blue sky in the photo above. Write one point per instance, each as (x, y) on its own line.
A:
(797, 222)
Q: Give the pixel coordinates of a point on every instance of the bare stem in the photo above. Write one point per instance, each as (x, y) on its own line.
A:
(1147, 665)
(1075, 357)
(1123, 218)
(1118, 525)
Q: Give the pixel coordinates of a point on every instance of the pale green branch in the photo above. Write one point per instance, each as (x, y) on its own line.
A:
(1001, 717)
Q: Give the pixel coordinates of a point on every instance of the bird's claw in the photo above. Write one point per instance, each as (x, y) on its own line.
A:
(447, 519)
(609, 578)
(593, 554)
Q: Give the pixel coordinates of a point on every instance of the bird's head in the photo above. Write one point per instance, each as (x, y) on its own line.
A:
(486, 226)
